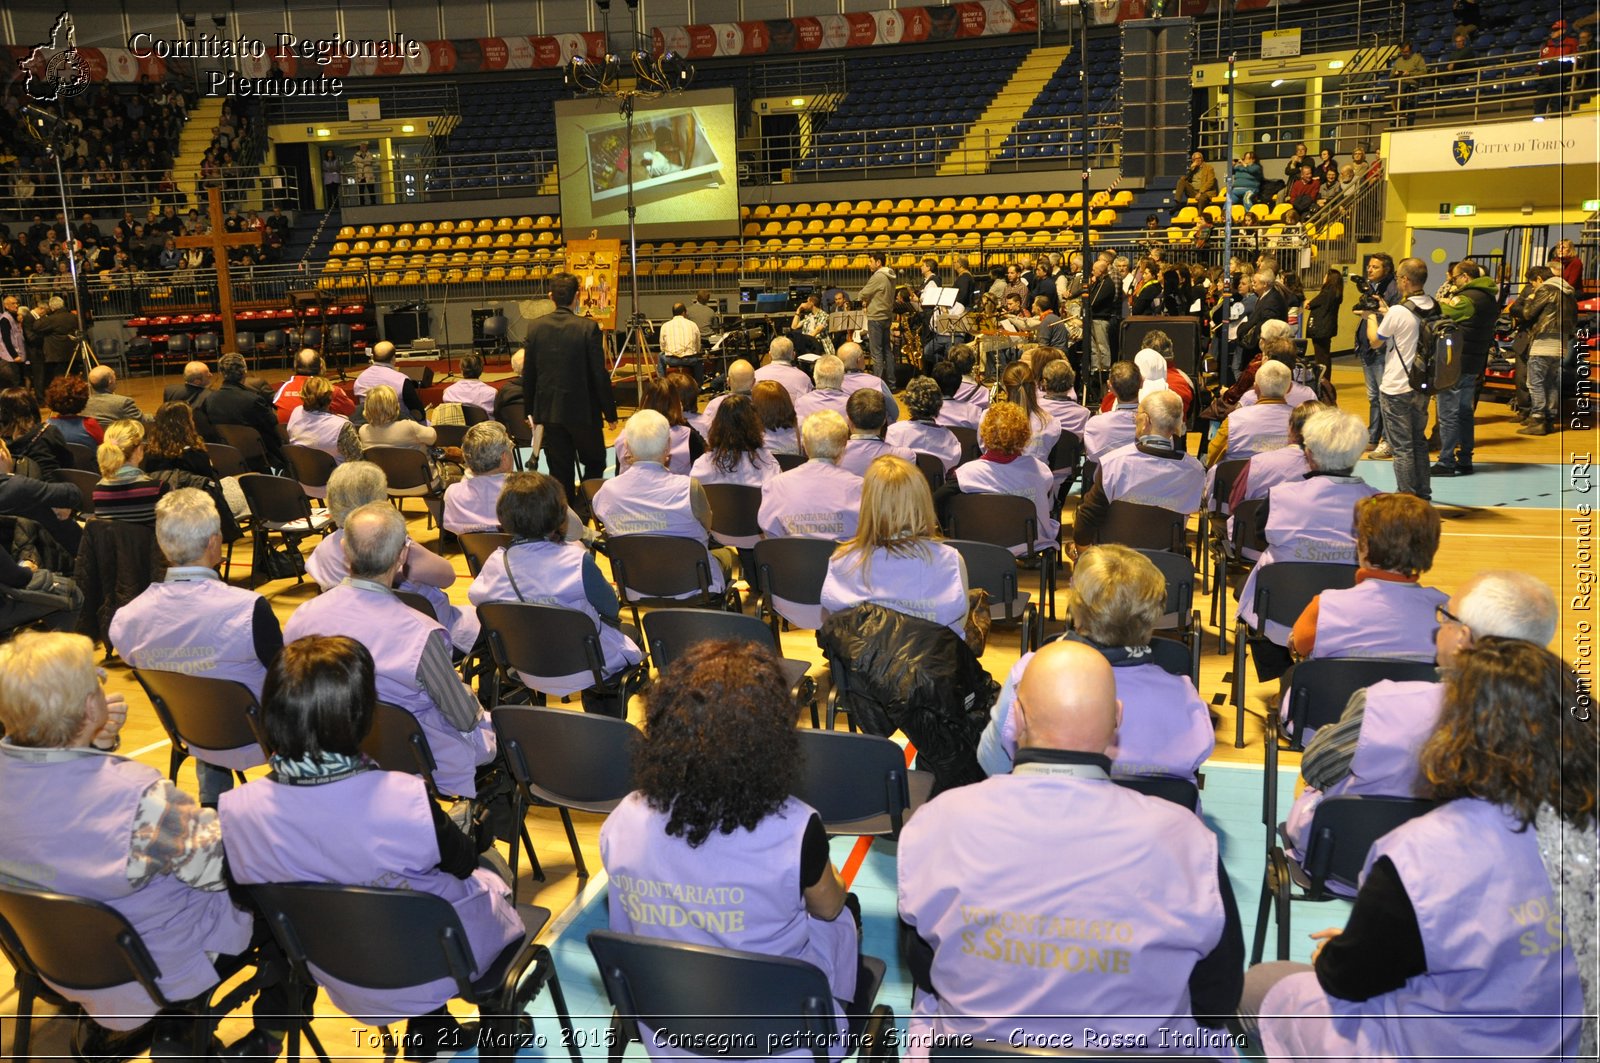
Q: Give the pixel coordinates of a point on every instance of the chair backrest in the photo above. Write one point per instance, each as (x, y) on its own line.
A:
(405, 469)
(1067, 453)
(1142, 527)
(990, 567)
(477, 546)
(273, 340)
(83, 457)
(847, 777)
(1004, 520)
(1224, 478)
(226, 459)
(793, 568)
(697, 995)
(178, 343)
(968, 437)
(932, 470)
(514, 416)
(247, 441)
(77, 943)
(574, 759)
(278, 499)
(85, 483)
(670, 633)
(1285, 588)
(1343, 830)
(472, 413)
(396, 743)
(1317, 691)
(733, 510)
(790, 461)
(450, 435)
(1171, 656)
(1178, 571)
(542, 640)
(1250, 525)
(311, 467)
(201, 711)
(416, 601)
(1178, 791)
(659, 566)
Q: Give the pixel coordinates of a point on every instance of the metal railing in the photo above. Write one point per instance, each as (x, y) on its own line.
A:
(436, 97)
(1510, 84)
(471, 175)
(141, 191)
(1323, 27)
(923, 150)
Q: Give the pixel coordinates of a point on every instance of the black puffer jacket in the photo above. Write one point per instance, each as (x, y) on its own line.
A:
(902, 673)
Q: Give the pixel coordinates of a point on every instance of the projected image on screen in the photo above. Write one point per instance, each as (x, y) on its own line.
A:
(681, 158)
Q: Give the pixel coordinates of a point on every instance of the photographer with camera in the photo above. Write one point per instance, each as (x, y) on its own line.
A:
(1394, 330)
(1378, 283)
(1475, 306)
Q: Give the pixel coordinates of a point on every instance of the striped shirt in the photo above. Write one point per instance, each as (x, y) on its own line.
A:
(128, 495)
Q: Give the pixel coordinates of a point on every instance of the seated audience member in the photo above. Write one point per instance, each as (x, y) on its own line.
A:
(235, 402)
(72, 803)
(1465, 911)
(816, 500)
(713, 815)
(327, 814)
(829, 393)
(865, 412)
(687, 388)
(1250, 430)
(308, 366)
(1269, 468)
(923, 434)
(685, 444)
(781, 368)
(896, 559)
(737, 452)
(1105, 432)
(384, 425)
(66, 397)
(1311, 519)
(313, 422)
(383, 373)
(857, 377)
(510, 393)
(1374, 747)
(1060, 397)
(411, 651)
(124, 492)
(1004, 468)
(741, 379)
(780, 434)
(176, 455)
(1281, 349)
(470, 390)
(27, 436)
(543, 568)
(954, 412)
(1388, 613)
(104, 404)
(647, 498)
(1151, 471)
(469, 504)
(1115, 602)
(1016, 385)
(358, 483)
(51, 505)
(193, 623)
(1141, 862)
(968, 390)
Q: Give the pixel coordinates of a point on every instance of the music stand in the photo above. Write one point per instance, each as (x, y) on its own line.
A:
(306, 303)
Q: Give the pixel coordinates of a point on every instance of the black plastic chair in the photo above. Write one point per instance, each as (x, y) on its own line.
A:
(226, 460)
(859, 783)
(393, 939)
(1144, 527)
(279, 506)
(311, 467)
(409, 475)
(450, 435)
(653, 570)
(83, 457)
(1214, 510)
(790, 461)
(247, 441)
(1228, 558)
(968, 437)
(733, 514)
(416, 601)
(932, 470)
(568, 760)
(698, 994)
(81, 944)
(1341, 835)
(669, 633)
(1009, 521)
(272, 343)
(1167, 787)
(548, 642)
(85, 483)
(1283, 590)
(790, 571)
(492, 337)
(1179, 615)
(194, 710)
(994, 569)
(478, 546)
(396, 743)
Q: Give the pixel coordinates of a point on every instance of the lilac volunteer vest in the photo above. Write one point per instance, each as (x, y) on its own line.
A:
(1266, 471)
(1254, 429)
(1014, 949)
(469, 505)
(1026, 477)
(376, 375)
(782, 440)
(734, 891)
(551, 574)
(816, 500)
(1298, 393)
(859, 453)
(926, 437)
(328, 566)
(372, 829)
(1105, 432)
(751, 471)
(1499, 976)
(649, 500)
(1071, 416)
(973, 393)
(1307, 520)
(318, 430)
(395, 634)
(821, 399)
(1397, 720)
(198, 625)
(68, 826)
(471, 393)
(932, 586)
(794, 380)
(856, 379)
(1128, 474)
(1046, 430)
(958, 414)
(716, 404)
(677, 452)
(1379, 618)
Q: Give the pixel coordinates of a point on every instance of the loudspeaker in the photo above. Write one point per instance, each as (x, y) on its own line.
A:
(1156, 97)
(1184, 331)
(402, 328)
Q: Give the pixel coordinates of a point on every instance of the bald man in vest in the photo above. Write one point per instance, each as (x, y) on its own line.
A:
(1137, 936)
(383, 371)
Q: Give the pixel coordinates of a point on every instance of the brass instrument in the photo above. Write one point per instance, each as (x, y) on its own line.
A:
(906, 314)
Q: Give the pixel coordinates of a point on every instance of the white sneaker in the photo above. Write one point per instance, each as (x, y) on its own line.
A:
(1383, 450)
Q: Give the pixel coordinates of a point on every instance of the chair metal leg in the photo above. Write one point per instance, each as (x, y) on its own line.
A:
(517, 812)
(391, 1043)
(534, 866)
(1262, 911)
(23, 1021)
(174, 762)
(1282, 901)
(558, 1000)
(1238, 686)
(572, 839)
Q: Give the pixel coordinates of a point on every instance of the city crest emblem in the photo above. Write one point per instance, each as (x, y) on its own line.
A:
(1461, 150)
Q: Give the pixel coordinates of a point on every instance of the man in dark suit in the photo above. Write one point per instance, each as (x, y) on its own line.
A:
(566, 388)
(1272, 304)
(56, 331)
(236, 403)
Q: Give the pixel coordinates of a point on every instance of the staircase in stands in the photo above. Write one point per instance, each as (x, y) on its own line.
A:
(192, 144)
(1000, 118)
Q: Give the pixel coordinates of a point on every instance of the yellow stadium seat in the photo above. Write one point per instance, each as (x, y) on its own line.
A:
(438, 259)
(411, 276)
(821, 210)
(434, 276)
(1186, 216)
(366, 232)
(1012, 220)
(445, 227)
(503, 225)
(381, 247)
(1055, 201)
(483, 240)
(386, 229)
(800, 210)
(347, 232)
(525, 222)
(360, 247)
(990, 220)
(500, 255)
(544, 221)
(517, 273)
(1032, 201)
(1260, 210)
(339, 249)
(405, 228)
(1238, 213)
(1122, 200)
(425, 228)
(497, 273)
(389, 279)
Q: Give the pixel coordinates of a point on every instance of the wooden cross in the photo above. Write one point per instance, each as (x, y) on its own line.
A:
(218, 240)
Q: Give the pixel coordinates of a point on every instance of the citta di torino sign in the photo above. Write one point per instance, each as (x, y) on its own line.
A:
(1573, 141)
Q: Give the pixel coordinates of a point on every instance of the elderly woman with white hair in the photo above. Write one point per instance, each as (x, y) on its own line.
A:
(469, 504)
(816, 500)
(1153, 471)
(1249, 430)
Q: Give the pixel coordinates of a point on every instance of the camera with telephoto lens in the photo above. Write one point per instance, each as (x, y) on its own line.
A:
(1368, 302)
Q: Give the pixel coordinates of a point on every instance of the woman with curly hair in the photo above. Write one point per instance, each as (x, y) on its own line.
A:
(775, 408)
(1017, 385)
(711, 849)
(686, 444)
(67, 396)
(1005, 468)
(738, 453)
(923, 433)
(1465, 911)
(22, 429)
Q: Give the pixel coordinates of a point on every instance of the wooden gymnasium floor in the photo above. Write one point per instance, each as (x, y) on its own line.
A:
(1510, 514)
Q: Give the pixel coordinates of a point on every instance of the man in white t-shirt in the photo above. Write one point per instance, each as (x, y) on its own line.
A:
(1405, 411)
